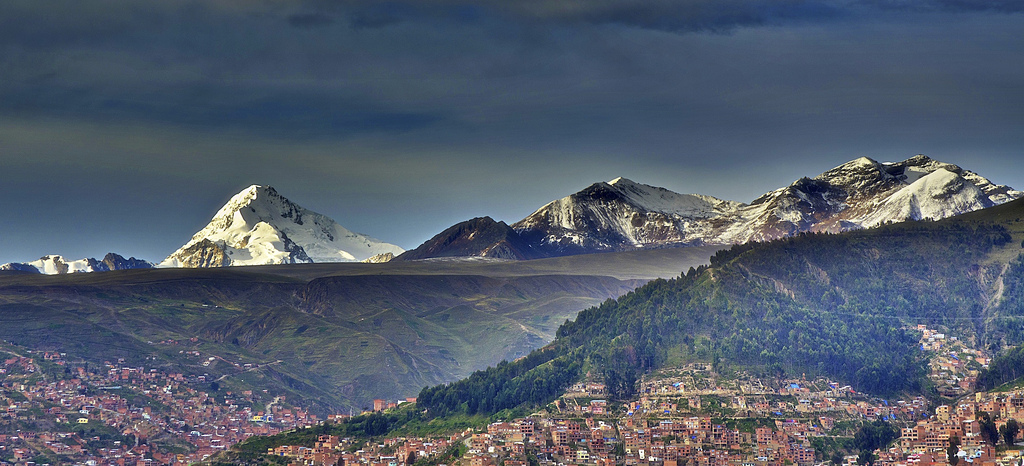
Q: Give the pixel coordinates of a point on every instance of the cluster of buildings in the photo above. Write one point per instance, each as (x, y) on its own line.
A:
(795, 398)
(953, 365)
(330, 450)
(551, 441)
(380, 405)
(115, 414)
(671, 440)
(928, 439)
(694, 440)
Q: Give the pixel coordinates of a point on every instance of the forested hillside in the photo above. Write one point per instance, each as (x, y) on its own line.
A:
(844, 306)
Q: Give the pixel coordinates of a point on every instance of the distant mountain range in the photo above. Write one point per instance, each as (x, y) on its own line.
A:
(258, 226)
(54, 265)
(624, 215)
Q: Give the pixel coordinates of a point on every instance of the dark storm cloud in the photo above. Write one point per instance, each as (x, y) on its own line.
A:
(204, 64)
(345, 67)
(689, 15)
(310, 20)
(285, 114)
(669, 15)
(292, 68)
(999, 6)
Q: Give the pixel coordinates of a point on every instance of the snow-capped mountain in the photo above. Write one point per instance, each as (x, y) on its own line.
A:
(55, 265)
(622, 214)
(258, 226)
(864, 193)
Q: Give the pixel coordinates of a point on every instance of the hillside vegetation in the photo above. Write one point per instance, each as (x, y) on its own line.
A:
(843, 306)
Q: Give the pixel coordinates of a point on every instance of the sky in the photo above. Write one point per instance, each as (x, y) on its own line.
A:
(126, 124)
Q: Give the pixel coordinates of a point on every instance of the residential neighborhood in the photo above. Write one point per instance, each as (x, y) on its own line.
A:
(115, 414)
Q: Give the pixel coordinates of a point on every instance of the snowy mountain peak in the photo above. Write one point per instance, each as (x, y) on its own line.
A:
(257, 203)
(858, 177)
(258, 226)
(55, 264)
(859, 164)
(614, 215)
(920, 159)
(865, 193)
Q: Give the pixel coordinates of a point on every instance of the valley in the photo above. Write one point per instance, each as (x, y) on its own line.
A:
(335, 336)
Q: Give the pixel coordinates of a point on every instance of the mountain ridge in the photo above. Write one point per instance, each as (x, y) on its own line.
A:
(56, 265)
(481, 236)
(623, 215)
(258, 226)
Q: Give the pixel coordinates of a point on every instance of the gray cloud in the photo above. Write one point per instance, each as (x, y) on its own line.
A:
(998, 6)
(310, 20)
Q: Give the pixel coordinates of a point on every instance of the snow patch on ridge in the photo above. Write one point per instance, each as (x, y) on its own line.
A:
(934, 196)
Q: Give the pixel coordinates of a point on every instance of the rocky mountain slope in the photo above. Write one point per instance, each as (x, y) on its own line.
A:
(864, 193)
(481, 237)
(624, 215)
(258, 226)
(55, 265)
(620, 215)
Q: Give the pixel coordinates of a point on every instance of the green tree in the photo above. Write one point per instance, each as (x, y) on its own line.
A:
(619, 450)
(875, 435)
(866, 457)
(1009, 431)
(952, 450)
(988, 429)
